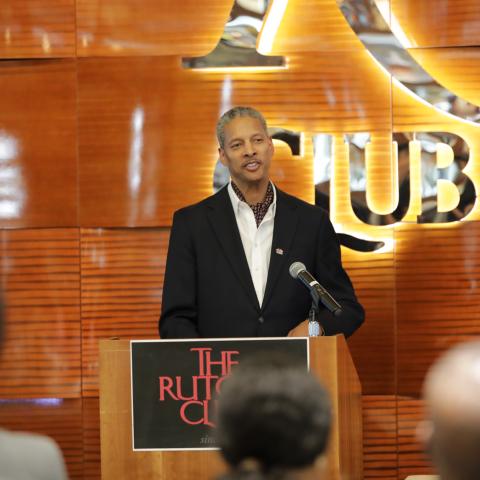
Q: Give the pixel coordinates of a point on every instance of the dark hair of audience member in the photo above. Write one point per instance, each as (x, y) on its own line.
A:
(272, 419)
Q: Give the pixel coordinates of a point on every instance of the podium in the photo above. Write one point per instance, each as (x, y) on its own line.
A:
(330, 361)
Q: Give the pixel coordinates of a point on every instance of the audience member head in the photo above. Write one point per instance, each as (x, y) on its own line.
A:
(233, 113)
(273, 421)
(452, 397)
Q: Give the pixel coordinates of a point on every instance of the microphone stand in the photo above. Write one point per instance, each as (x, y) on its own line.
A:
(314, 327)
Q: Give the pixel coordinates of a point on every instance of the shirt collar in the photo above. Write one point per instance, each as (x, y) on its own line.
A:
(236, 202)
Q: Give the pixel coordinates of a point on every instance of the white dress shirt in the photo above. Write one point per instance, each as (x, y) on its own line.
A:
(257, 242)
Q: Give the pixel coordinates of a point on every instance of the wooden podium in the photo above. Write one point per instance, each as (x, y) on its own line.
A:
(330, 361)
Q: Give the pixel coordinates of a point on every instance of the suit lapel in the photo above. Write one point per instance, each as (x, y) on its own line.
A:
(286, 218)
(224, 224)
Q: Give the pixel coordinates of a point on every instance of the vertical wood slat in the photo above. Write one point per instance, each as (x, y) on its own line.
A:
(122, 279)
(38, 160)
(380, 437)
(149, 156)
(91, 439)
(112, 28)
(41, 352)
(372, 346)
(411, 457)
(438, 304)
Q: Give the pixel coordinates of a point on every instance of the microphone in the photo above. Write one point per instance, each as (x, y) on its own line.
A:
(299, 272)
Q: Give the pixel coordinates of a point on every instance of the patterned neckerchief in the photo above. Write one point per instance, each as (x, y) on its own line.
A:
(259, 209)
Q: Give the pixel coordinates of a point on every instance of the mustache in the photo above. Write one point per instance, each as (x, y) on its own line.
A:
(251, 160)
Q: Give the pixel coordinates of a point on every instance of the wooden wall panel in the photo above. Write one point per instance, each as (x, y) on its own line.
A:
(380, 437)
(44, 28)
(122, 279)
(373, 346)
(57, 418)
(136, 158)
(135, 165)
(438, 304)
(107, 28)
(457, 69)
(314, 26)
(411, 458)
(91, 439)
(154, 27)
(38, 143)
(40, 270)
(438, 23)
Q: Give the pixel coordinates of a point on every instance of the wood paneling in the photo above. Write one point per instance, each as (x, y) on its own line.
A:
(57, 418)
(457, 69)
(38, 143)
(156, 150)
(107, 28)
(314, 26)
(135, 166)
(154, 27)
(438, 23)
(122, 279)
(41, 277)
(411, 458)
(438, 304)
(32, 29)
(380, 437)
(91, 439)
(372, 346)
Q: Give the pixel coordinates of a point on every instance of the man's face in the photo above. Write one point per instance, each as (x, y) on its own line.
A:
(247, 151)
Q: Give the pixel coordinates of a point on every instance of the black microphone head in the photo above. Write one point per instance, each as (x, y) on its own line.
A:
(296, 268)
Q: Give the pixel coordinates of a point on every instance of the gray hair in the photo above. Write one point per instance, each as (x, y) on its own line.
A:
(236, 112)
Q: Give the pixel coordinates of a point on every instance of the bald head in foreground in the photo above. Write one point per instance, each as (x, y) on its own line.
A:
(452, 397)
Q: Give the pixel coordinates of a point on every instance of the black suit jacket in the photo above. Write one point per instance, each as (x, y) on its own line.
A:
(208, 290)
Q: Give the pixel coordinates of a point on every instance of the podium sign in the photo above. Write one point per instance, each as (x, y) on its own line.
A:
(175, 382)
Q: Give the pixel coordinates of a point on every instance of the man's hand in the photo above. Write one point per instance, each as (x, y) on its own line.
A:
(301, 330)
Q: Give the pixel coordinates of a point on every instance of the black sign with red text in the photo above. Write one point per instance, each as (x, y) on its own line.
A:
(175, 382)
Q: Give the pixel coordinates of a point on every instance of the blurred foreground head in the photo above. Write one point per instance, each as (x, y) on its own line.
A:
(273, 421)
(452, 397)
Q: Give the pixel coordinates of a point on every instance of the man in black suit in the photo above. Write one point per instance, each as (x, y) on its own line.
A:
(228, 261)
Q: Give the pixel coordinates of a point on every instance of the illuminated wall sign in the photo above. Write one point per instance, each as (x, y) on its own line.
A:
(375, 24)
(250, 22)
(383, 182)
(428, 185)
